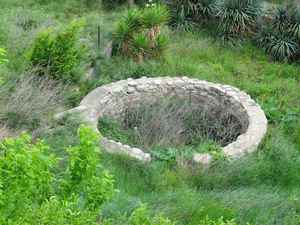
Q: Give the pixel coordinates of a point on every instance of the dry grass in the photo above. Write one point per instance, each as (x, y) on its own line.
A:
(173, 122)
(31, 102)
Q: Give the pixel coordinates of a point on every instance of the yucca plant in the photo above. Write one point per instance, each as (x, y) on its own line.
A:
(138, 33)
(153, 18)
(140, 47)
(237, 18)
(129, 25)
(161, 44)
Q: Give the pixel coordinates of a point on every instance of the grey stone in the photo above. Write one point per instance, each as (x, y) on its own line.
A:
(111, 100)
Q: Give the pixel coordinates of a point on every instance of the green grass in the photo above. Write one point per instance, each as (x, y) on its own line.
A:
(262, 188)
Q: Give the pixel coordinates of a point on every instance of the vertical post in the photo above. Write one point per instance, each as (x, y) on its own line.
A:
(98, 37)
(98, 55)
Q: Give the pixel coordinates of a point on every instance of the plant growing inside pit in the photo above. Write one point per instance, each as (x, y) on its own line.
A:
(170, 126)
(138, 33)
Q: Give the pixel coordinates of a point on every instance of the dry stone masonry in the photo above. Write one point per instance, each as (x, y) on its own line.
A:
(113, 99)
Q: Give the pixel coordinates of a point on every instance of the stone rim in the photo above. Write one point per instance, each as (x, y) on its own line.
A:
(90, 111)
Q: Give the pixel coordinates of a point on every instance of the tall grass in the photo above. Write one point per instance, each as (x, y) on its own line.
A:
(261, 189)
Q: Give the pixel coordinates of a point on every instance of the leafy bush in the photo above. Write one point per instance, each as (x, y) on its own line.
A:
(25, 176)
(55, 211)
(33, 190)
(84, 174)
(138, 34)
(236, 18)
(58, 54)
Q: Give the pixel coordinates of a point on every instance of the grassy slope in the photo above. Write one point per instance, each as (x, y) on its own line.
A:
(262, 189)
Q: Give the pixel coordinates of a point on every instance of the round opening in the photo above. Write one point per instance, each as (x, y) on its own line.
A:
(173, 123)
(137, 116)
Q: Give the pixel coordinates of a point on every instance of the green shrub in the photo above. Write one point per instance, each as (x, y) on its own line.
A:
(34, 190)
(138, 34)
(58, 54)
(142, 216)
(236, 18)
(84, 176)
(54, 211)
(25, 176)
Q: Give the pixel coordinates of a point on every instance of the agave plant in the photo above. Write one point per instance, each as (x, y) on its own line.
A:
(281, 38)
(187, 13)
(237, 18)
(294, 23)
(281, 19)
(281, 46)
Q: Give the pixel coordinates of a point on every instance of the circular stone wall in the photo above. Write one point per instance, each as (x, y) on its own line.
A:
(113, 99)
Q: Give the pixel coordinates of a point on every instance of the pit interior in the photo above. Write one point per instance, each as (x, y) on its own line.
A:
(177, 117)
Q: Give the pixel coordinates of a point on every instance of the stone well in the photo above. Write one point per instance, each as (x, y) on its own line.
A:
(112, 100)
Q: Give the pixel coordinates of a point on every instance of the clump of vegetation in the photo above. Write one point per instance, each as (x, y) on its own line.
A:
(141, 215)
(31, 103)
(236, 18)
(261, 188)
(185, 14)
(138, 34)
(170, 127)
(280, 37)
(32, 192)
(58, 54)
